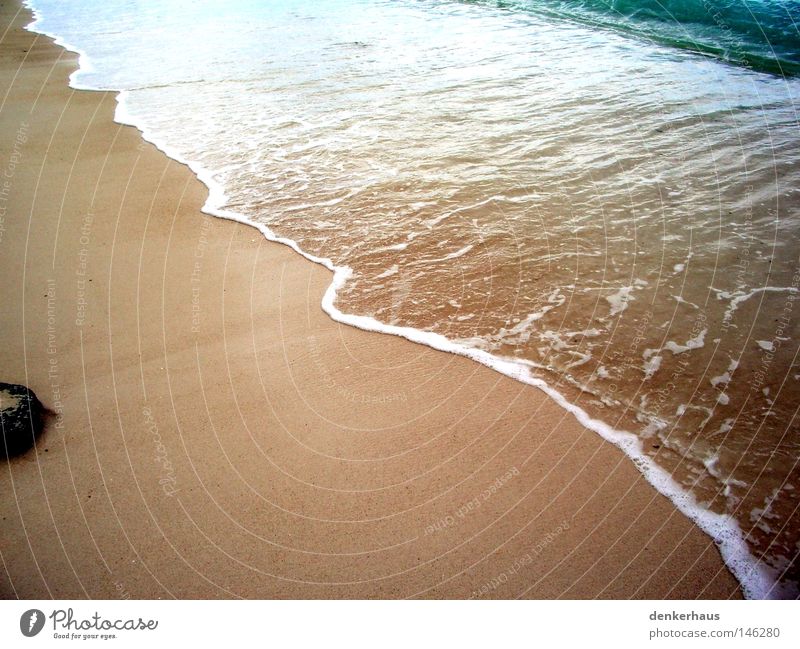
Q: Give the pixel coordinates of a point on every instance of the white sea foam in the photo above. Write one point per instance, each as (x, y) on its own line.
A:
(453, 255)
(680, 300)
(651, 366)
(619, 300)
(739, 297)
(758, 580)
(693, 343)
(725, 378)
(766, 345)
(388, 272)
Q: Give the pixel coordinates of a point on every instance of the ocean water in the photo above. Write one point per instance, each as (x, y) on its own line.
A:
(601, 199)
(760, 34)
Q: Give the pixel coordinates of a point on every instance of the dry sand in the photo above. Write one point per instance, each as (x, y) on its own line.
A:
(217, 435)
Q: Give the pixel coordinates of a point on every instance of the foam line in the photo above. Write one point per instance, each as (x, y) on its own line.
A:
(758, 580)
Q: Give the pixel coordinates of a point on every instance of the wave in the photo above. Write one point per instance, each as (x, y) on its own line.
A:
(763, 35)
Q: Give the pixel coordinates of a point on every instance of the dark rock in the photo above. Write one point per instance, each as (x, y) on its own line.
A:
(21, 417)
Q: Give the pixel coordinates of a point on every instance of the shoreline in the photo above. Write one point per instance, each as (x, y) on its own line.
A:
(432, 364)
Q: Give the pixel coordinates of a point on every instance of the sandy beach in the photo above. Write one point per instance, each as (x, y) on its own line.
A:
(214, 434)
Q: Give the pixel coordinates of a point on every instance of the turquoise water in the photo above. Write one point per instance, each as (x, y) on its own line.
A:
(761, 34)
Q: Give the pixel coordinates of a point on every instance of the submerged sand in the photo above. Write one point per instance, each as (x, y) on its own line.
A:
(214, 434)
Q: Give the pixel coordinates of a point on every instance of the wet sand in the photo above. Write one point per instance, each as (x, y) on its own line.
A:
(214, 434)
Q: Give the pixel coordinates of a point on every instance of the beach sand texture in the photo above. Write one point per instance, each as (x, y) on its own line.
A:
(216, 435)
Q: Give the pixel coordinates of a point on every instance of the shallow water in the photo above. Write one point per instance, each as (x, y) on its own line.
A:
(618, 217)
